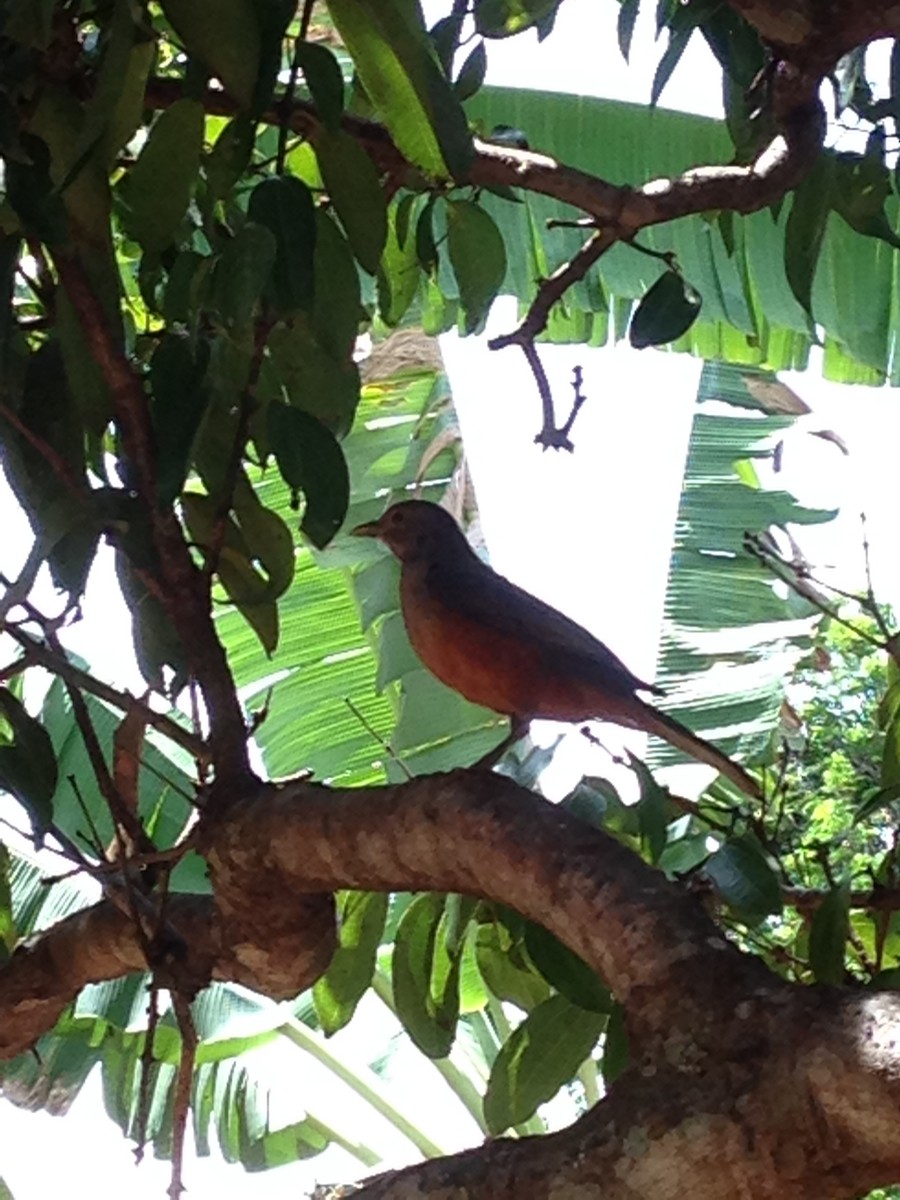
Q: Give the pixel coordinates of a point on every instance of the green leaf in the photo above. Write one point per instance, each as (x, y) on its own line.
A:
(242, 274)
(310, 460)
(890, 757)
(745, 878)
(504, 18)
(505, 971)
(429, 1014)
(805, 230)
(228, 43)
(28, 767)
(156, 191)
(177, 371)
(478, 256)
(652, 810)
(252, 594)
(404, 81)
(323, 76)
(540, 1055)
(355, 191)
(565, 970)
(666, 311)
(361, 917)
(399, 274)
(317, 382)
(285, 207)
(828, 936)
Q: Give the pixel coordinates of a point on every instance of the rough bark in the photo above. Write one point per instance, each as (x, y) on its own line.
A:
(740, 1085)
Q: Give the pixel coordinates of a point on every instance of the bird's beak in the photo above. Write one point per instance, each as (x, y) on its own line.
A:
(370, 529)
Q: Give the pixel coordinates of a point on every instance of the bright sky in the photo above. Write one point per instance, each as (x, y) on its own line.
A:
(588, 532)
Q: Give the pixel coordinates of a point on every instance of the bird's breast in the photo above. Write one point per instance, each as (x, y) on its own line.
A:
(495, 668)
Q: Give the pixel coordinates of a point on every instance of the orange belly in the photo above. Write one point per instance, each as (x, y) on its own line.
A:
(506, 674)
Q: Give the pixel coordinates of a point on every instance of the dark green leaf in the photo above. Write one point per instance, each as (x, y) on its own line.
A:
(471, 73)
(355, 191)
(228, 159)
(666, 311)
(745, 878)
(404, 81)
(339, 990)
(156, 191)
(251, 593)
(426, 247)
(311, 462)
(8, 934)
(318, 382)
(628, 11)
(879, 798)
(616, 1052)
(678, 42)
(429, 1019)
(285, 207)
(565, 970)
(445, 35)
(229, 44)
(540, 1055)
(28, 766)
(890, 757)
(244, 271)
(30, 192)
(325, 81)
(805, 230)
(828, 936)
(478, 255)
(156, 644)
(861, 188)
(177, 371)
(186, 287)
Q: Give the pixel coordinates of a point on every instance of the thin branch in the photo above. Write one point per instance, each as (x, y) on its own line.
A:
(182, 1100)
(40, 654)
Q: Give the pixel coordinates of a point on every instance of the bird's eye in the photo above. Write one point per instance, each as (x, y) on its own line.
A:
(396, 518)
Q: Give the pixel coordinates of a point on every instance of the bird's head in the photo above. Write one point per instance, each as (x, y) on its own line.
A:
(415, 530)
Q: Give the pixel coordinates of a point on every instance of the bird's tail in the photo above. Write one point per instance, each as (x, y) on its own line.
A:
(679, 736)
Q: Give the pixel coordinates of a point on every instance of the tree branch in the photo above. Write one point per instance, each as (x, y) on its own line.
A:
(482, 835)
(185, 594)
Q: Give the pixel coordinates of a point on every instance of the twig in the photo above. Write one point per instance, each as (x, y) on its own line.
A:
(97, 844)
(144, 1088)
(287, 100)
(19, 591)
(130, 833)
(535, 322)
(386, 746)
(873, 606)
(182, 1100)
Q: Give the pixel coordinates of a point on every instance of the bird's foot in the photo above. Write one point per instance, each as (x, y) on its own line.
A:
(518, 727)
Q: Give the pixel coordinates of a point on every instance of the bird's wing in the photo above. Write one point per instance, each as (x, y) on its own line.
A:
(477, 592)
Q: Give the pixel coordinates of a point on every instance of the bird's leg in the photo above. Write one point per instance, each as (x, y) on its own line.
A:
(518, 727)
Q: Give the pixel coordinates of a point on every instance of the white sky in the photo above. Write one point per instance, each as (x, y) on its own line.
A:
(589, 532)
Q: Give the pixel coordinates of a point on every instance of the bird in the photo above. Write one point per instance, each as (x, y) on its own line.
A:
(501, 647)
